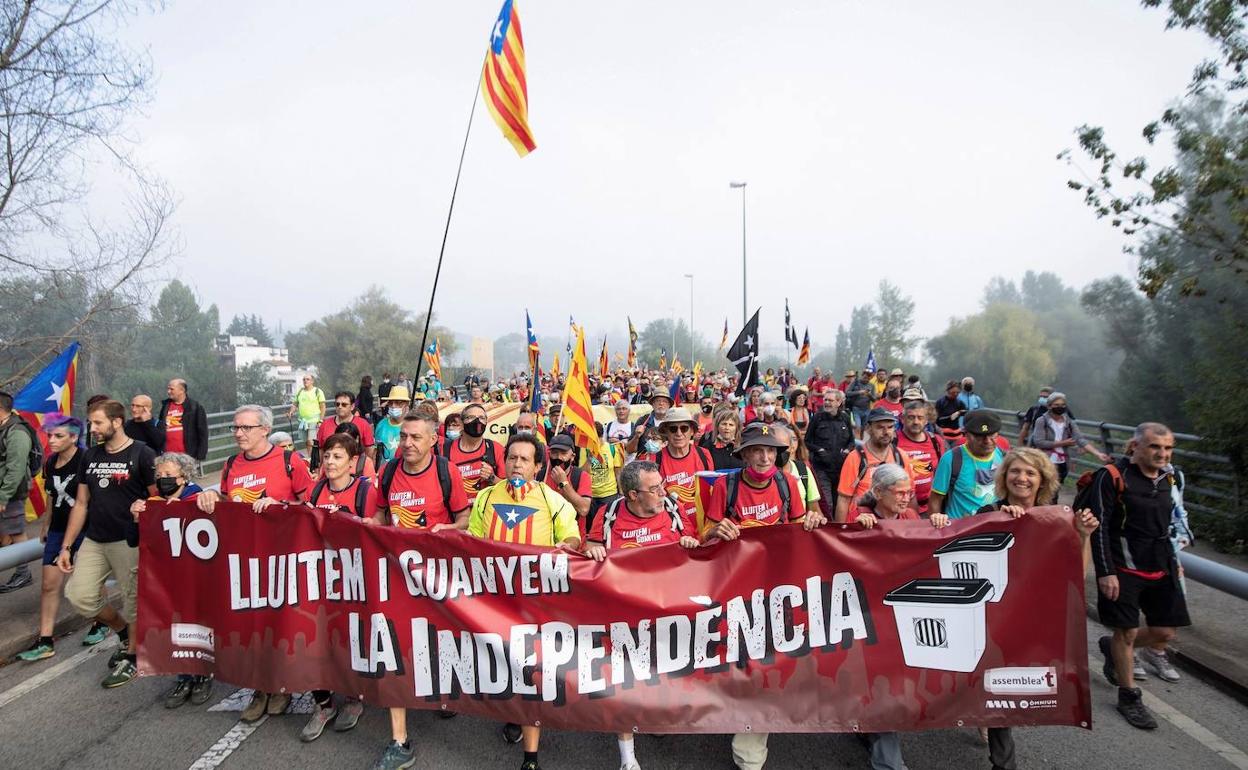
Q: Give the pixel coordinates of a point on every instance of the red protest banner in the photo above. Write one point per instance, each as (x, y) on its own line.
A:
(898, 628)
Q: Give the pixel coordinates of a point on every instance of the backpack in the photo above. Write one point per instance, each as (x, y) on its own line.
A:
(488, 457)
(732, 483)
(803, 473)
(862, 462)
(443, 469)
(609, 515)
(1084, 493)
(34, 458)
(286, 455)
(361, 495)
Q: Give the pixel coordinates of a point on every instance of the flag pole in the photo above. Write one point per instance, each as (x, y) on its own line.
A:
(424, 335)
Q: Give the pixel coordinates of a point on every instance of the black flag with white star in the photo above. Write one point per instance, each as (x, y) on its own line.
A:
(744, 355)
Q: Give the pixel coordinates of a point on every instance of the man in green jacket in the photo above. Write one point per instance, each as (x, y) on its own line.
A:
(15, 444)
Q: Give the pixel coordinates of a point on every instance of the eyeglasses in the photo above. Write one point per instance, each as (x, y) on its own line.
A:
(242, 428)
(655, 490)
(343, 403)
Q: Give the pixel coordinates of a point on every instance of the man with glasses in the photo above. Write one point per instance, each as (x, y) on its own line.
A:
(477, 457)
(309, 405)
(344, 412)
(260, 475)
(142, 426)
(680, 461)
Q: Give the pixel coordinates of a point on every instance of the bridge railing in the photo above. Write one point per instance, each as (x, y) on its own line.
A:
(221, 441)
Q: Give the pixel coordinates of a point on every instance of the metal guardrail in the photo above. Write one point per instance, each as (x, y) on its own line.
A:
(221, 441)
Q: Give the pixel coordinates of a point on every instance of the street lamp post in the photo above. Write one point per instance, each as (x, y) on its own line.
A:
(744, 304)
(690, 277)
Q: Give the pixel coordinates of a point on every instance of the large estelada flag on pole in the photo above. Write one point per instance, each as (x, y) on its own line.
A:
(50, 391)
(503, 82)
(578, 409)
(535, 350)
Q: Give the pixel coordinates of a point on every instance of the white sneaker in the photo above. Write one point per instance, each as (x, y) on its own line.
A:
(1159, 664)
(1137, 671)
(630, 765)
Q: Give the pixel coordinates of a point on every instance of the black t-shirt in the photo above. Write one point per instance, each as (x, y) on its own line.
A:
(116, 481)
(62, 487)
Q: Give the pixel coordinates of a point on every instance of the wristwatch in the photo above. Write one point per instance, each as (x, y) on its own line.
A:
(562, 484)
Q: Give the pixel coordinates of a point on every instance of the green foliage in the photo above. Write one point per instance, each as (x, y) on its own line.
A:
(250, 326)
(656, 336)
(892, 318)
(1002, 347)
(372, 335)
(254, 385)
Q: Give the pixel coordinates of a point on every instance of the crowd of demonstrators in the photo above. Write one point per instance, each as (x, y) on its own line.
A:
(868, 450)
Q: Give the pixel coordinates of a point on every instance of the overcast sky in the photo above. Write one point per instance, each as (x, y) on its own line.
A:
(313, 146)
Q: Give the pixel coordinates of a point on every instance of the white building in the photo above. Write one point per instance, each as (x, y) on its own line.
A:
(245, 351)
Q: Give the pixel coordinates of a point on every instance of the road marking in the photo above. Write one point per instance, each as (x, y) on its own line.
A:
(300, 703)
(1198, 732)
(42, 678)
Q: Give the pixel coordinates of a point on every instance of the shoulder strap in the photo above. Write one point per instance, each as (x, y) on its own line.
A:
(937, 448)
(782, 486)
(443, 468)
(359, 464)
(705, 457)
(862, 465)
(387, 478)
(225, 469)
(317, 489)
(488, 457)
(287, 454)
(901, 460)
(361, 497)
(1115, 474)
(575, 476)
(732, 484)
(955, 467)
(802, 471)
(609, 516)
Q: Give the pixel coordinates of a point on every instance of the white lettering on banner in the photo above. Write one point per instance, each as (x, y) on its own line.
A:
(272, 581)
(446, 579)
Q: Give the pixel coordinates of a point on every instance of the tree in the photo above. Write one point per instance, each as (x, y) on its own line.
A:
(1003, 347)
(890, 325)
(255, 385)
(656, 336)
(1001, 291)
(860, 321)
(66, 86)
(250, 326)
(371, 335)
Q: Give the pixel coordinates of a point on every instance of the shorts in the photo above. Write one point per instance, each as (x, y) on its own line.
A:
(52, 546)
(13, 518)
(95, 563)
(859, 417)
(309, 428)
(1161, 601)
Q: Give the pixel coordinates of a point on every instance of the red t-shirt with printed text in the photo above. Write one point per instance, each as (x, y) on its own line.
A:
(175, 439)
(923, 459)
(756, 507)
(250, 479)
(344, 500)
(632, 531)
(414, 500)
(680, 482)
(471, 463)
(328, 427)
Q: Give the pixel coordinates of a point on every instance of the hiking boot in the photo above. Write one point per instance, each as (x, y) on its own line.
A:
(123, 673)
(395, 757)
(321, 716)
(1131, 706)
(1159, 663)
(257, 708)
(179, 695)
(97, 633)
(38, 651)
(511, 732)
(278, 702)
(348, 715)
(201, 690)
(530, 764)
(1108, 651)
(19, 579)
(117, 655)
(1137, 669)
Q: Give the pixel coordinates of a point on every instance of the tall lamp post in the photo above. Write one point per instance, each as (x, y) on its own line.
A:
(690, 277)
(744, 312)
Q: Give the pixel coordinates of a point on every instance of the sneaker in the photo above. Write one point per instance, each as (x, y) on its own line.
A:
(1137, 670)
(630, 765)
(395, 757)
(201, 690)
(321, 716)
(123, 673)
(116, 657)
(179, 695)
(1131, 706)
(348, 715)
(511, 732)
(97, 633)
(446, 714)
(1108, 669)
(981, 736)
(530, 764)
(257, 708)
(278, 702)
(19, 579)
(37, 651)
(1159, 664)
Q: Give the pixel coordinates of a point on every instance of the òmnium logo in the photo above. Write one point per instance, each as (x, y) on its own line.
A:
(193, 635)
(1020, 680)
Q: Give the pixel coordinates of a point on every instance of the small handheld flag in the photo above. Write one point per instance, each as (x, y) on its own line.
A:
(632, 345)
(724, 340)
(803, 357)
(870, 364)
(433, 357)
(503, 81)
(604, 361)
(662, 358)
(534, 349)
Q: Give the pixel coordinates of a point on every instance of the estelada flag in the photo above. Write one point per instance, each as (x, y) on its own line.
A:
(702, 495)
(433, 357)
(662, 358)
(555, 374)
(578, 409)
(803, 357)
(48, 392)
(604, 361)
(723, 341)
(503, 82)
(632, 345)
(535, 350)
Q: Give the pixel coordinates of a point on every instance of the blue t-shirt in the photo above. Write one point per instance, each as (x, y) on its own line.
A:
(386, 434)
(975, 486)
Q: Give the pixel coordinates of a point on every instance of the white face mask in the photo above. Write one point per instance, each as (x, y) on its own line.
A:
(769, 410)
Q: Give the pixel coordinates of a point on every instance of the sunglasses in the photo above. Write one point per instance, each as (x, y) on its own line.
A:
(681, 428)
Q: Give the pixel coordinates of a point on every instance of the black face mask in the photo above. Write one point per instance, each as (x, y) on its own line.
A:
(706, 409)
(1058, 410)
(559, 463)
(167, 486)
(968, 388)
(475, 428)
(645, 388)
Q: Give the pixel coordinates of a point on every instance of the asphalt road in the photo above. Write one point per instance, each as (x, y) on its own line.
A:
(54, 714)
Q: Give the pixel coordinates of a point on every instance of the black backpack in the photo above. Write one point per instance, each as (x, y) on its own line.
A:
(34, 458)
(442, 468)
(609, 516)
(361, 495)
(732, 483)
(286, 455)
(486, 444)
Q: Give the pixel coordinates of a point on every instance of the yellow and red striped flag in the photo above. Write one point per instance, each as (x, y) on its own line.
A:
(578, 410)
(555, 374)
(604, 361)
(803, 357)
(503, 82)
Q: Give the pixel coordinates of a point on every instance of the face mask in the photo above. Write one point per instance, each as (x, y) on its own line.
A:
(760, 476)
(1058, 410)
(706, 409)
(645, 388)
(395, 411)
(475, 428)
(559, 463)
(1043, 400)
(653, 447)
(452, 434)
(893, 393)
(167, 486)
(769, 410)
(968, 388)
(524, 431)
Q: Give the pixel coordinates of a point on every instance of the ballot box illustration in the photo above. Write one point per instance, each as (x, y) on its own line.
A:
(940, 622)
(984, 555)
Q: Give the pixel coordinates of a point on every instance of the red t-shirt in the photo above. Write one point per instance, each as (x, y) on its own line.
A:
(471, 463)
(582, 485)
(328, 427)
(250, 479)
(853, 515)
(175, 440)
(757, 507)
(415, 500)
(680, 482)
(923, 459)
(889, 406)
(344, 500)
(632, 531)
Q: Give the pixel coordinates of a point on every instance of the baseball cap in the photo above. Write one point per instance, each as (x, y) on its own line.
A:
(981, 422)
